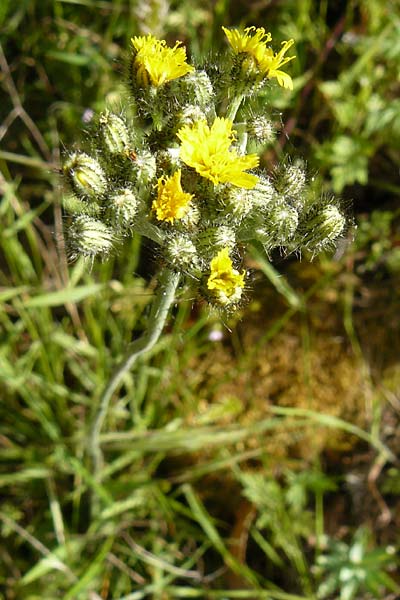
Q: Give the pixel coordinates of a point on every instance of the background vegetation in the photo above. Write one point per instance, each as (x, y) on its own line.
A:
(255, 458)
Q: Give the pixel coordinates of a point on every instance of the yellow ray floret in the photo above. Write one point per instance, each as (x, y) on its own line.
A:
(208, 151)
(171, 202)
(224, 281)
(271, 63)
(254, 43)
(155, 62)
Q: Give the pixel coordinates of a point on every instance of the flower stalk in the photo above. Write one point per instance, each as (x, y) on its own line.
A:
(162, 302)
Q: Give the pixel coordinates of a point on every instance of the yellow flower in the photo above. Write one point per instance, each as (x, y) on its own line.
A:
(251, 44)
(154, 60)
(254, 43)
(224, 281)
(207, 150)
(171, 202)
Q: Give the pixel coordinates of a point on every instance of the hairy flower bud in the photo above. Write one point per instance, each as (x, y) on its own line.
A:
(290, 180)
(261, 129)
(196, 89)
(181, 252)
(263, 194)
(85, 175)
(144, 166)
(214, 238)
(122, 208)
(279, 226)
(321, 230)
(245, 73)
(75, 206)
(114, 134)
(225, 283)
(189, 115)
(191, 218)
(237, 203)
(90, 237)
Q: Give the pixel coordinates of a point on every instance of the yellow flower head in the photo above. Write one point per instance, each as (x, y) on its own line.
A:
(254, 43)
(224, 281)
(171, 202)
(246, 42)
(156, 62)
(208, 151)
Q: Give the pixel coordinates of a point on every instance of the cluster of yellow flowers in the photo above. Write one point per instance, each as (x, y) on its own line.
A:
(179, 172)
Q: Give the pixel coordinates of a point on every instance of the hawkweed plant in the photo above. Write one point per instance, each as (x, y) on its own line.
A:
(177, 172)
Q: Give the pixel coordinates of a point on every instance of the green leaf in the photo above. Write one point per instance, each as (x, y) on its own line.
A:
(65, 296)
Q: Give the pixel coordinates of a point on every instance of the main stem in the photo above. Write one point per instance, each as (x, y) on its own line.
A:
(165, 295)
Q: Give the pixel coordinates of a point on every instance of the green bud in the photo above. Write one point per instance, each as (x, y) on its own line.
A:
(237, 202)
(210, 240)
(75, 206)
(90, 237)
(290, 181)
(122, 208)
(191, 218)
(294, 180)
(279, 227)
(190, 114)
(263, 194)
(181, 253)
(144, 166)
(320, 232)
(85, 175)
(262, 129)
(196, 89)
(114, 133)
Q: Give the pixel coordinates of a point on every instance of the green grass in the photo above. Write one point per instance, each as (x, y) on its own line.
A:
(205, 491)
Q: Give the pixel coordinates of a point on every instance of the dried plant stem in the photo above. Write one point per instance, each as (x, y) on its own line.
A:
(168, 282)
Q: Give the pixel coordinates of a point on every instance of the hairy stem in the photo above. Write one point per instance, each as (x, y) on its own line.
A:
(234, 106)
(165, 295)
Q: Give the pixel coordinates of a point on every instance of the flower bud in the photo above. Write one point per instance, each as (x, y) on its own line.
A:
(181, 252)
(291, 181)
(321, 231)
(189, 115)
(144, 166)
(213, 238)
(263, 194)
(85, 175)
(90, 237)
(280, 225)
(237, 203)
(196, 89)
(114, 134)
(225, 283)
(75, 206)
(191, 217)
(261, 129)
(122, 208)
